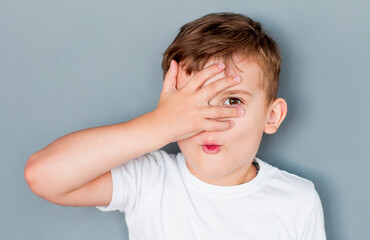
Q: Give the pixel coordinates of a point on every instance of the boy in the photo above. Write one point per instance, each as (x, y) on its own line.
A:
(219, 95)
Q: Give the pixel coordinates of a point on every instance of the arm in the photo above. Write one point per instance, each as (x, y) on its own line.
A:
(76, 159)
(74, 169)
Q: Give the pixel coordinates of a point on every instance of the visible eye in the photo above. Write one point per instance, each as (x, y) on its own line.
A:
(233, 100)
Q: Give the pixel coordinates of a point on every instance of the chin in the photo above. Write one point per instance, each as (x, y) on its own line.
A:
(211, 170)
(211, 173)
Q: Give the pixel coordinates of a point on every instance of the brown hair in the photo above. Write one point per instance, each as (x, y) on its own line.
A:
(219, 36)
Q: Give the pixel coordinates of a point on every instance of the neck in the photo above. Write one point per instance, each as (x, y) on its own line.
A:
(241, 175)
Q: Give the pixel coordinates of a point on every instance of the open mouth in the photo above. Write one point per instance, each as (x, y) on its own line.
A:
(211, 149)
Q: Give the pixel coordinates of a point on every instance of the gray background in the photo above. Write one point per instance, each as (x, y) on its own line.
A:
(71, 65)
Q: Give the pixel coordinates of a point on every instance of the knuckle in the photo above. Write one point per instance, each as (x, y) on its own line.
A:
(213, 125)
(231, 79)
(216, 67)
(221, 125)
(226, 125)
(212, 86)
(210, 71)
(203, 73)
(236, 111)
(218, 111)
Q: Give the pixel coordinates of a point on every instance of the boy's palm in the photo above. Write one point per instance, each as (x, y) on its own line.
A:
(186, 111)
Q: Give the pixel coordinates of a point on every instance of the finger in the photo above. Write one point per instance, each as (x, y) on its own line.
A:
(217, 125)
(203, 75)
(214, 88)
(222, 112)
(170, 79)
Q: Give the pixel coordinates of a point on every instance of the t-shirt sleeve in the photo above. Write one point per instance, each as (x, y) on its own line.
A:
(133, 179)
(314, 228)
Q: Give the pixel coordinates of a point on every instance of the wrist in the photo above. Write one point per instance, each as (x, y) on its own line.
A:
(161, 127)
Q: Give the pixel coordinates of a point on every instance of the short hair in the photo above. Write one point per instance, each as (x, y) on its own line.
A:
(220, 36)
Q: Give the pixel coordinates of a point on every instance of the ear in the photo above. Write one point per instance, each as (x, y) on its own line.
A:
(276, 115)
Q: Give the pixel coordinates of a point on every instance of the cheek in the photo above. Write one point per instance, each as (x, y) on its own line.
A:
(244, 126)
(250, 125)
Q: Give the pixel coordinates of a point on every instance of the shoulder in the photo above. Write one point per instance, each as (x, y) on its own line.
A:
(155, 159)
(157, 156)
(294, 193)
(162, 154)
(162, 157)
(294, 188)
(287, 180)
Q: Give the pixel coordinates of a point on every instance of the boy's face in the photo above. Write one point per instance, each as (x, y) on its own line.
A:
(239, 144)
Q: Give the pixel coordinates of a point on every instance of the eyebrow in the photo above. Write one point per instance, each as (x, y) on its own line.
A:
(237, 91)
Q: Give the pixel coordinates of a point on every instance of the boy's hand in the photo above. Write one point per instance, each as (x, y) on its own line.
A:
(185, 112)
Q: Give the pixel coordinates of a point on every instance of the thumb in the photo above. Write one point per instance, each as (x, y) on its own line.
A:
(170, 79)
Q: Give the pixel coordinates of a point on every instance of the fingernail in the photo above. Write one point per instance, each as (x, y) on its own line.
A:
(236, 78)
(221, 65)
(240, 111)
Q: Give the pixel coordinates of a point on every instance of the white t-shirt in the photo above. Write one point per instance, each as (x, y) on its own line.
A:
(162, 200)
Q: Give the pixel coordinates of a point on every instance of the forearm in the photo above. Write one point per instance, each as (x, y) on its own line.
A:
(77, 158)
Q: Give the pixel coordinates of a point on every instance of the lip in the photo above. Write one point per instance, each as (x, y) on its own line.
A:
(211, 148)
